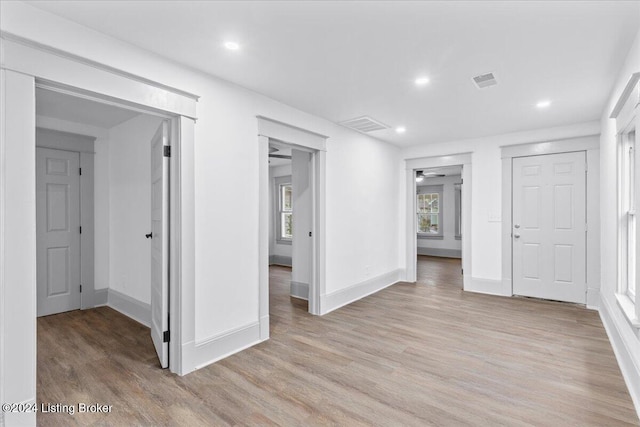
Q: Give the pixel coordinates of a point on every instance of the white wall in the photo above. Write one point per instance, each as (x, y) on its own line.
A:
(448, 241)
(129, 206)
(226, 179)
(625, 339)
(276, 248)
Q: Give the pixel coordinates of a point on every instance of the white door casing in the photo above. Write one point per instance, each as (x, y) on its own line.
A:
(57, 230)
(160, 243)
(549, 226)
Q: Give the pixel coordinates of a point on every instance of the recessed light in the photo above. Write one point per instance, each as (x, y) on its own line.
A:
(543, 104)
(422, 80)
(401, 129)
(231, 45)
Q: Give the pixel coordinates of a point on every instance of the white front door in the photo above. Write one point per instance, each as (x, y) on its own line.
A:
(549, 227)
(57, 230)
(160, 244)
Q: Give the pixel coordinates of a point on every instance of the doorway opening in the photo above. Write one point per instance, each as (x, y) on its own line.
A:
(102, 208)
(290, 226)
(426, 202)
(306, 225)
(439, 225)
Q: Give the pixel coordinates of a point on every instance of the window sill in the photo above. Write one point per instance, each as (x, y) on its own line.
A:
(629, 310)
(431, 236)
(283, 242)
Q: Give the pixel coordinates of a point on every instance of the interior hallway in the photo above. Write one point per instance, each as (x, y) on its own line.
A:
(425, 354)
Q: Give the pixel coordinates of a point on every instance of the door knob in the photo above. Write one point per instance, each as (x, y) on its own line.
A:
(516, 235)
(516, 226)
(149, 236)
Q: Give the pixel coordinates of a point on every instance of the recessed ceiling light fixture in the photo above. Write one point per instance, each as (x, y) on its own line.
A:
(231, 45)
(422, 80)
(543, 104)
(401, 129)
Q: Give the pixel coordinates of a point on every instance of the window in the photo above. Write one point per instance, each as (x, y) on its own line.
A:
(284, 210)
(626, 184)
(429, 211)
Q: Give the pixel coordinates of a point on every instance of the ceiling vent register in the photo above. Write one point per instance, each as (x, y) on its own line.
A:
(485, 80)
(364, 124)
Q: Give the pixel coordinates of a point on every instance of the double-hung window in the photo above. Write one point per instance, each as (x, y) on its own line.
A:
(626, 113)
(628, 206)
(429, 211)
(284, 221)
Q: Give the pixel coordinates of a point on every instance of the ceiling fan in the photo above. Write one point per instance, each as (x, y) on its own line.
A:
(277, 156)
(421, 175)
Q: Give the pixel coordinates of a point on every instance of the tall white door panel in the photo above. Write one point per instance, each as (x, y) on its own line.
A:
(57, 230)
(160, 244)
(549, 227)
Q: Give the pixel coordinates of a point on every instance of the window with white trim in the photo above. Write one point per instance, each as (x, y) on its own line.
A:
(627, 204)
(429, 211)
(284, 210)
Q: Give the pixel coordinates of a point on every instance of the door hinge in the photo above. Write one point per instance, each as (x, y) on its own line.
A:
(166, 336)
(80, 288)
(80, 229)
(462, 271)
(80, 171)
(167, 151)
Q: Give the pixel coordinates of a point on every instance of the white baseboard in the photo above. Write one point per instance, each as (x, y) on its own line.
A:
(130, 307)
(593, 298)
(629, 364)
(299, 290)
(100, 297)
(218, 347)
(358, 291)
(264, 328)
(487, 286)
(280, 260)
(439, 252)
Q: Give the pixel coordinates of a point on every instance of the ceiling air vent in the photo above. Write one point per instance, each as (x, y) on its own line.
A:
(485, 80)
(364, 124)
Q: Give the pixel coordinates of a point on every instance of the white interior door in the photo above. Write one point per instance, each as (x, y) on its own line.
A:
(160, 244)
(57, 230)
(302, 199)
(549, 227)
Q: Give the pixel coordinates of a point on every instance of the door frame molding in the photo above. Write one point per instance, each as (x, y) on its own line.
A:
(589, 144)
(411, 229)
(314, 143)
(24, 66)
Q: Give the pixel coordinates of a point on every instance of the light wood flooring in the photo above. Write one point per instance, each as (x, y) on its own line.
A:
(411, 355)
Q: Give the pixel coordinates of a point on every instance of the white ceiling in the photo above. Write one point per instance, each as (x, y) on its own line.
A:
(79, 110)
(343, 59)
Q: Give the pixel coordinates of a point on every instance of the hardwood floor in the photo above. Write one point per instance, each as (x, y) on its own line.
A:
(413, 354)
